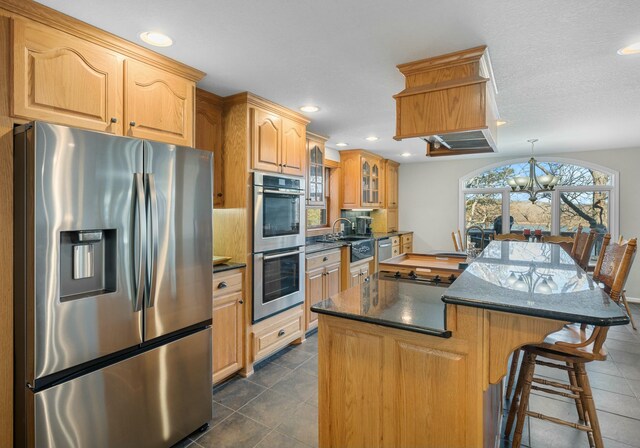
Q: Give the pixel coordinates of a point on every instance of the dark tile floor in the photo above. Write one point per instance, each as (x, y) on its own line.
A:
(278, 406)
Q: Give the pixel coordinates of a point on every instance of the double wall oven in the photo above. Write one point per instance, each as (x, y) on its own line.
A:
(278, 243)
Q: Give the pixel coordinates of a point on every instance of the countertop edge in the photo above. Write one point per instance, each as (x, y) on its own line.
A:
(428, 331)
(228, 267)
(533, 312)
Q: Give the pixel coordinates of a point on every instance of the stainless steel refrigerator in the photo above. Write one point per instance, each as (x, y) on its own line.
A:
(113, 285)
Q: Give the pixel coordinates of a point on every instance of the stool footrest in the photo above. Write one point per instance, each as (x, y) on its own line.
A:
(559, 421)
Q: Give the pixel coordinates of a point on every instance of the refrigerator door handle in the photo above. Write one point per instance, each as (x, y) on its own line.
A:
(142, 241)
(153, 196)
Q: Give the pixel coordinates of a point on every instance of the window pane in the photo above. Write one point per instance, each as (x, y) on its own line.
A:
(568, 174)
(591, 209)
(482, 209)
(527, 215)
(316, 217)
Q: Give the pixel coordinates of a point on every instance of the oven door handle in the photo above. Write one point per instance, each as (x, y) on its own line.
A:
(286, 254)
(288, 193)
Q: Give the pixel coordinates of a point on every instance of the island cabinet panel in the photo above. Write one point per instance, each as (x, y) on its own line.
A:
(361, 354)
(294, 139)
(158, 105)
(423, 383)
(265, 140)
(62, 79)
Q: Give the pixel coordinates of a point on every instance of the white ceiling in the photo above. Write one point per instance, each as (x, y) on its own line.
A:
(558, 75)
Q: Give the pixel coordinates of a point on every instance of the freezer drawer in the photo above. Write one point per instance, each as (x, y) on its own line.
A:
(151, 400)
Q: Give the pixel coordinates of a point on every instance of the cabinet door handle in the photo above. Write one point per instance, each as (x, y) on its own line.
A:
(325, 258)
(114, 120)
(219, 195)
(366, 279)
(281, 333)
(240, 301)
(222, 285)
(285, 165)
(132, 123)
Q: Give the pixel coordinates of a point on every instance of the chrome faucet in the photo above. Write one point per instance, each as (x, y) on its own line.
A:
(333, 226)
(466, 235)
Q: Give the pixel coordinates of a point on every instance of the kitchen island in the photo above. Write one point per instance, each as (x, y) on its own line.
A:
(402, 363)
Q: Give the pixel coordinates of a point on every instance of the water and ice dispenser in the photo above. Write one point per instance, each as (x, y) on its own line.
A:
(87, 263)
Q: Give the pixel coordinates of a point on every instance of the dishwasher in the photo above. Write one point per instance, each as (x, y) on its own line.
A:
(384, 249)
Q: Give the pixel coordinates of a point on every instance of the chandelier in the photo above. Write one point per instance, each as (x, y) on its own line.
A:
(531, 281)
(534, 184)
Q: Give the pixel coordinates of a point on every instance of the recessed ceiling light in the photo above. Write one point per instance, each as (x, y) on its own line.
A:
(500, 122)
(309, 108)
(342, 144)
(630, 49)
(156, 39)
(372, 138)
(406, 154)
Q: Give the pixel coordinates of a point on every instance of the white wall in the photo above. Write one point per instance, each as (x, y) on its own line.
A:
(429, 205)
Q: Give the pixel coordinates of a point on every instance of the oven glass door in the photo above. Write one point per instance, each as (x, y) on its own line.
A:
(281, 213)
(278, 282)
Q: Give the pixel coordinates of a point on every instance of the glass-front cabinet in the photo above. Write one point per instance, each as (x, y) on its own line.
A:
(371, 195)
(362, 179)
(316, 178)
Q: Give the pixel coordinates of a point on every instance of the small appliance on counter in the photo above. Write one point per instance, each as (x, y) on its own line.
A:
(363, 225)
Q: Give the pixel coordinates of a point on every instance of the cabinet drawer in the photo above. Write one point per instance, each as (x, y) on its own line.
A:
(407, 238)
(407, 248)
(227, 283)
(395, 251)
(276, 336)
(322, 259)
(395, 240)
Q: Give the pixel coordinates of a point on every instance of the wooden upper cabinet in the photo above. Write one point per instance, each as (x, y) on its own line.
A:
(293, 147)
(209, 137)
(158, 105)
(62, 79)
(265, 140)
(391, 181)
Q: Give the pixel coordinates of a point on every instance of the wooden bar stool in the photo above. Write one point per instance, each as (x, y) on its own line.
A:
(571, 348)
(582, 247)
(623, 297)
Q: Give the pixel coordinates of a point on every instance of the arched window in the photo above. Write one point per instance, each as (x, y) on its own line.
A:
(586, 194)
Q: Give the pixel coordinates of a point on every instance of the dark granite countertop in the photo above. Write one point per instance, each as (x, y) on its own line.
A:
(380, 235)
(402, 304)
(534, 279)
(227, 267)
(319, 247)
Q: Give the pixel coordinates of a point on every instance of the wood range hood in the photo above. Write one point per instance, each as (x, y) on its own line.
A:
(449, 102)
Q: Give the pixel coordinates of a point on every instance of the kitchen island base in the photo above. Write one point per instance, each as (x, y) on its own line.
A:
(387, 387)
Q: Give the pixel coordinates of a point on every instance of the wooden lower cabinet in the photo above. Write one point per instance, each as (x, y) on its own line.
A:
(358, 273)
(323, 279)
(275, 333)
(406, 243)
(228, 324)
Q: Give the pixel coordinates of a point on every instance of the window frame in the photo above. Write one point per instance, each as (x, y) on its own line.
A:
(613, 189)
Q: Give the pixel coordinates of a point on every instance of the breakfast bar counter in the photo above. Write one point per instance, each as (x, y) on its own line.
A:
(398, 367)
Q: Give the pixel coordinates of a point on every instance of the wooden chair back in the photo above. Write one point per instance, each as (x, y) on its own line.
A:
(566, 242)
(458, 242)
(582, 247)
(614, 264)
(509, 237)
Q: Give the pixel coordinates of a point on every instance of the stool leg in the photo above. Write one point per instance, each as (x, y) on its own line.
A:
(513, 407)
(512, 372)
(574, 383)
(589, 405)
(528, 366)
